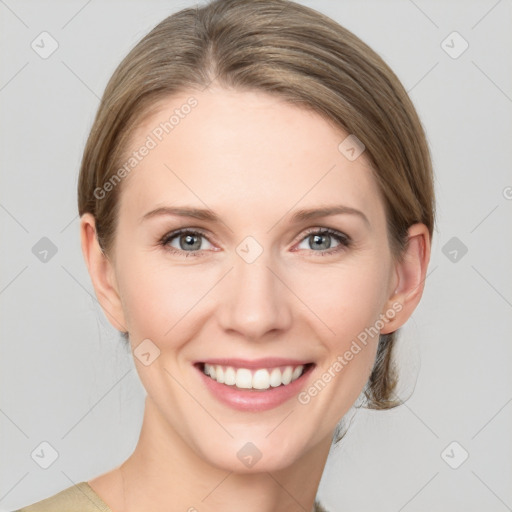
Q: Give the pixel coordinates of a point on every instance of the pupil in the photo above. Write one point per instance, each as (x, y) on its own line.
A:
(318, 238)
(189, 241)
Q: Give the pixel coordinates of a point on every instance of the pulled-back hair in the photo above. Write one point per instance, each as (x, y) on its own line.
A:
(283, 49)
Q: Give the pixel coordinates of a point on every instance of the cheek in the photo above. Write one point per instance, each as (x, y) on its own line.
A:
(345, 299)
(348, 300)
(347, 303)
(158, 296)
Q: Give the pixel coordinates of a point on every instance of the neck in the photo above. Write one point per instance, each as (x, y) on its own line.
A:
(164, 473)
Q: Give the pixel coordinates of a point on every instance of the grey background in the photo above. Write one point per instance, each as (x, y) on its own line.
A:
(65, 377)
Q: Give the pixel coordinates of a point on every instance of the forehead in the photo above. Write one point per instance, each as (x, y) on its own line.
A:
(243, 149)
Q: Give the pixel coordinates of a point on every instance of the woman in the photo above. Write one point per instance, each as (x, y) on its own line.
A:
(257, 209)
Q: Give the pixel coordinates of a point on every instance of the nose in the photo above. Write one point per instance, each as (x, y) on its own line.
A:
(254, 302)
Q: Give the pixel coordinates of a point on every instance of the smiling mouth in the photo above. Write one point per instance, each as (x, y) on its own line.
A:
(258, 379)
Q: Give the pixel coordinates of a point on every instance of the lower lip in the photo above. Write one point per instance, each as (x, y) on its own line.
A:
(254, 399)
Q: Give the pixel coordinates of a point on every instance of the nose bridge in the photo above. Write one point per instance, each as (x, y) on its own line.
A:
(254, 301)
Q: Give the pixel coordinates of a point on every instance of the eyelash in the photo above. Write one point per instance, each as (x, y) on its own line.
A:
(344, 241)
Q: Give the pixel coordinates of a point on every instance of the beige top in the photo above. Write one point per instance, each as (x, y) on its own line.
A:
(77, 498)
(82, 498)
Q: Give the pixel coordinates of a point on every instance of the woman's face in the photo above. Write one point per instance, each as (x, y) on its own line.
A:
(247, 284)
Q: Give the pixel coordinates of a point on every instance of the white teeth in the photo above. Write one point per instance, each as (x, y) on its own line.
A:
(243, 378)
(229, 376)
(287, 375)
(275, 377)
(259, 379)
(295, 375)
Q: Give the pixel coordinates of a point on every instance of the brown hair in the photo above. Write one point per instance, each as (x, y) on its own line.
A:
(286, 49)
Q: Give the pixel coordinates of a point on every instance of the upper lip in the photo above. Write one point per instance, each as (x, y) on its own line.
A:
(265, 362)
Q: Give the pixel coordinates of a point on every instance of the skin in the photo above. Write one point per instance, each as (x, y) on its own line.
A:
(254, 160)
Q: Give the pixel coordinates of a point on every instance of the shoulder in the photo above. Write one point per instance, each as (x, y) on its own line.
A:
(77, 498)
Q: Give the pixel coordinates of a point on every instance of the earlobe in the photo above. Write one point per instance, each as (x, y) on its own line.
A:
(411, 273)
(101, 272)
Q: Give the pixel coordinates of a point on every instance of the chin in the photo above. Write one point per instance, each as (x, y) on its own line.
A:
(257, 453)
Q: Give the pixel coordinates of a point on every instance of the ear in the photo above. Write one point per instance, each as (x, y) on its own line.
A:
(102, 273)
(410, 278)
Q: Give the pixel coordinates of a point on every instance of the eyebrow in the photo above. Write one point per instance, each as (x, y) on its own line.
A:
(298, 216)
